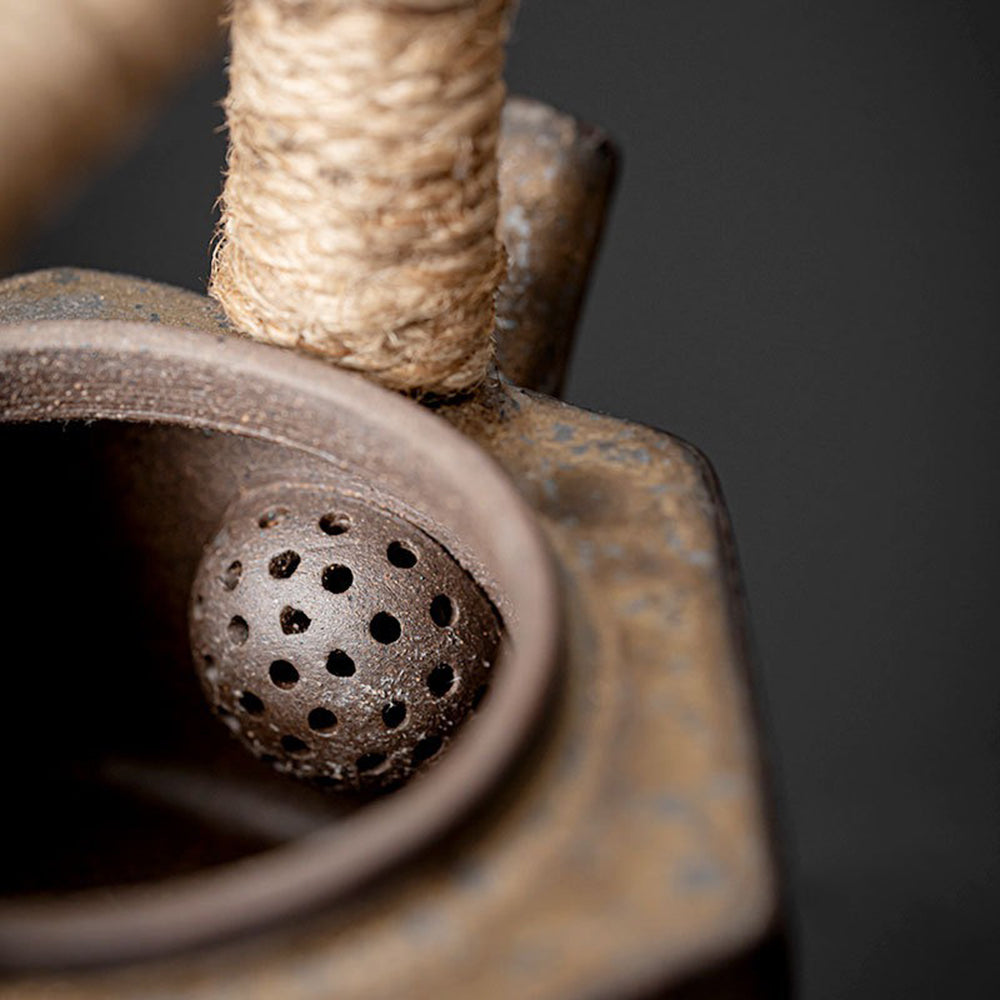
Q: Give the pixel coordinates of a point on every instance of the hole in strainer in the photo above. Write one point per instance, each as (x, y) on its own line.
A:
(238, 630)
(250, 703)
(393, 714)
(293, 621)
(442, 611)
(211, 671)
(369, 761)
(292, 744)
(399, 555)
(272, 516)
(284, 564)
(283, 674)
(385, 628)
(231, 577)
(340, 664)
(322, 720)
(426, 749)
(337, 579)
(440, 680)
(334, 523)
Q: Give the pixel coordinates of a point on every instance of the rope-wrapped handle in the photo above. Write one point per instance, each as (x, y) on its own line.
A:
(360, 205)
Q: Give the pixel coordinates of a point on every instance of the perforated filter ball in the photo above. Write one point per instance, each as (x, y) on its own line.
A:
(336, 640)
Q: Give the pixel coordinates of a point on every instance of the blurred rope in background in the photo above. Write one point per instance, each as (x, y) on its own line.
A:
(77, 78)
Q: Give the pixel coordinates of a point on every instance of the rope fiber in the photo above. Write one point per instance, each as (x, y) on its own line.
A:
(360, 203)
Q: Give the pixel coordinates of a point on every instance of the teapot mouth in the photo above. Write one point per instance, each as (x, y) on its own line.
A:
(242, 397)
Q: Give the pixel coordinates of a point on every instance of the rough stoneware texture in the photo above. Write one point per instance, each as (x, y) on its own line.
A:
(632, 851)
(334, 639)
(556, 177)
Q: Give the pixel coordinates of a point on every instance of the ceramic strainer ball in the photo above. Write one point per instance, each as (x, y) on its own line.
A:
(335, 639)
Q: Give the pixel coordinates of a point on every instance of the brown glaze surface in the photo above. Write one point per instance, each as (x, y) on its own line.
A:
(630, 847)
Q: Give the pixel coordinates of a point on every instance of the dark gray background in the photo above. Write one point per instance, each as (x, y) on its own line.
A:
(801, 277)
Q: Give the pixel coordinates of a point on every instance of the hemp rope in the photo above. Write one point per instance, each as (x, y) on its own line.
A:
(360, 204)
